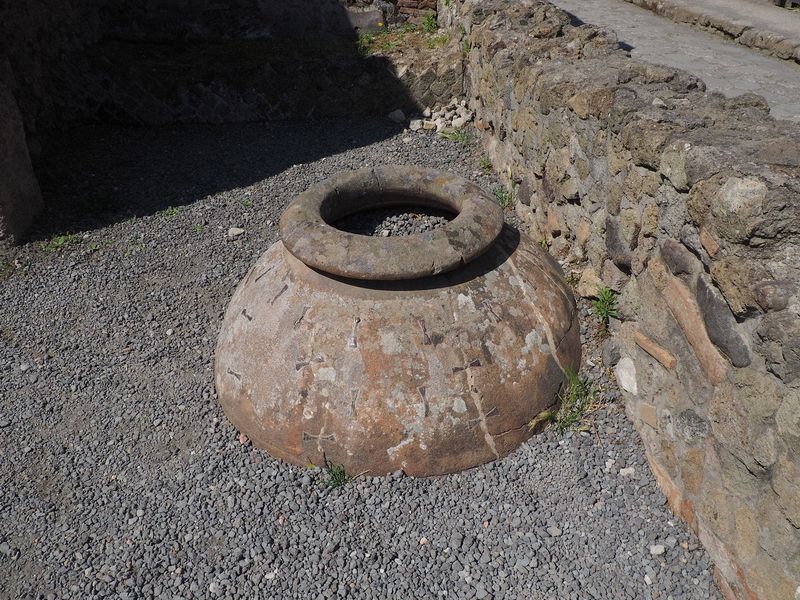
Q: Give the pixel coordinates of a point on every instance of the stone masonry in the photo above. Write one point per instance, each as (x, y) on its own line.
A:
(688, 205)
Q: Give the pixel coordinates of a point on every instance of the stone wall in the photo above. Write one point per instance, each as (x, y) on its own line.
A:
(688, 205)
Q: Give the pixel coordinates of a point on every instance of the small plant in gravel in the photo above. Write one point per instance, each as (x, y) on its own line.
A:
(571, 280)
(437, 41)
(337, 476)
(61, 241)
(429, 24)
(169, 212)
(486, 165)
(365, 41)
(544, 244)
(198, 228)
(604, 306)
(458, 135)
(388, 44)
(94, 247)
(577, 401)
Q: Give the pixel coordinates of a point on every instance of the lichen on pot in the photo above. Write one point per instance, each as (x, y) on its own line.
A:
(428, 352)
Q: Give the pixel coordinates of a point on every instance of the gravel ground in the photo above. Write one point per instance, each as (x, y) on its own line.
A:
(396, 221)
(120, 476)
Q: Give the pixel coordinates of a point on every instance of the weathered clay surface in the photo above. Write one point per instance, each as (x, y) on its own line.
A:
(429, 375)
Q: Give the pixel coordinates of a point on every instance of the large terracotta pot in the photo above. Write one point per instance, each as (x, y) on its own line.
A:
(429, 353)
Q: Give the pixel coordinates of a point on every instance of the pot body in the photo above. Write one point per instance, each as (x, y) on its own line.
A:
(430, 376)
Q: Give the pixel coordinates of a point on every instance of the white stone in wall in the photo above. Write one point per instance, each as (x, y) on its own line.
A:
(626, 375)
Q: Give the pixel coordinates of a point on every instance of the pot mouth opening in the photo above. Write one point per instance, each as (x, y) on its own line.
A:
(398, 215)
(440, 223)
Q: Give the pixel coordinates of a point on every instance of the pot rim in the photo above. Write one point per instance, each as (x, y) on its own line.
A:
(307, 233)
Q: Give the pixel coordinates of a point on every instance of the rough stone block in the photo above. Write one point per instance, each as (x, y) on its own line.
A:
(679, 260)
(687, 314)
(618, 248)
(720, 323)
(737, 207)
(779, 338)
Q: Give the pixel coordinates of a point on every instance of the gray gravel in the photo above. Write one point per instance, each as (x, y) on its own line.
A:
(120, 476)
(387, 222)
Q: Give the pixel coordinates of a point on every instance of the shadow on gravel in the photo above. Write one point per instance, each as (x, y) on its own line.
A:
(175, 107)
(107, 174)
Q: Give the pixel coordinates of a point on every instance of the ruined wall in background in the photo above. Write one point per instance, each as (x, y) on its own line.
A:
(187, 61)
(38, 44)
(688, 205)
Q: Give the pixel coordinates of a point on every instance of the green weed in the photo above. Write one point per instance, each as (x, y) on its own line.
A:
(458, 135)
(577, 400)
(388, 44)
(169, 212)
(571, 280)
(604, 306)
(337, 476)
(198, 228)
(429, 24)
(365, 41)
(439, 40)
(505, 197)
(545, 245)
(61, 241)
(486, 165)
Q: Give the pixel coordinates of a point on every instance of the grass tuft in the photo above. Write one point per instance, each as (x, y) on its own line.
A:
(438, 40)
(505, 197)
(337, 476)
(429, 24)
(458, 135)
(61, 241)
(169, 212)
(365, 41)
(486, 165)
(578, 399)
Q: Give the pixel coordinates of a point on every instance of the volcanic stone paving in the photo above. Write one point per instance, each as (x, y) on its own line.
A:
(725, 66)
(120, 476)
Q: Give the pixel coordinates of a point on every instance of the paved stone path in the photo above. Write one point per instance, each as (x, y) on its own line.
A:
(725, 66)
(726, 15)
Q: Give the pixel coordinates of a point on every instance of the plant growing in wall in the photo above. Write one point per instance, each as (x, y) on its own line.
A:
(429, 24)
(604, 306)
